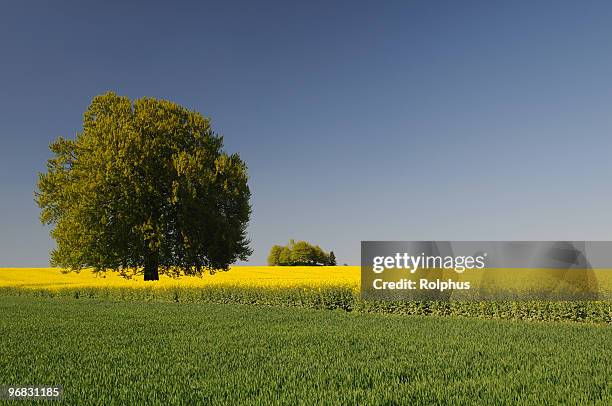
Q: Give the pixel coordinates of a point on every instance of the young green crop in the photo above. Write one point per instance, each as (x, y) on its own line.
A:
(105, 352)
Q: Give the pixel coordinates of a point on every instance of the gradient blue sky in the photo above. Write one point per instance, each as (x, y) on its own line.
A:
(358, 121)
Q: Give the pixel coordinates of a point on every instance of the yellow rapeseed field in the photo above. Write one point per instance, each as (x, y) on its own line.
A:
(264, 276)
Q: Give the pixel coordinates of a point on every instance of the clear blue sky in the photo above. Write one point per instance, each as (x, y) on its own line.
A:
(380, 120)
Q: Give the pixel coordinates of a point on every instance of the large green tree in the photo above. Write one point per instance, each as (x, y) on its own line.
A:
(145, 186)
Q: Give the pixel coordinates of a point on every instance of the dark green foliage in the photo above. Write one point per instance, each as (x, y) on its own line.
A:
(285, 256)
(168, 353)
(145, 184)
(332, 259)
(298, 254)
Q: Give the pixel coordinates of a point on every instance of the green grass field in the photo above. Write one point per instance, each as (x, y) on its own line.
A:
(105, 352)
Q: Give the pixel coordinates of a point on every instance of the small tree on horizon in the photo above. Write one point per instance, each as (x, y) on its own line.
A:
(302, 253)
(274, 256)
(299, 253)
(284, 258)
(332, 258)
(319, 256)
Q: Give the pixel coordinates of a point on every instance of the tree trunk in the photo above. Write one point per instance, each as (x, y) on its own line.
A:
(151, 264)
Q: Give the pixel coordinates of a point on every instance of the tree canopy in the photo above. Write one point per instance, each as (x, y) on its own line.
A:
(145, 184)
(300, 253)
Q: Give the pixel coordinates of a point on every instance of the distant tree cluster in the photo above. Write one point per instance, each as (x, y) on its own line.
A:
(300, 253)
